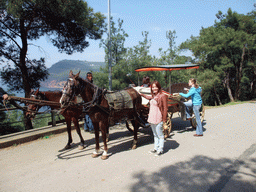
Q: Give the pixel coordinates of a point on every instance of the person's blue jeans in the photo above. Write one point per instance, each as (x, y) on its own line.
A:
(188, 105)
(158, 136)
(199, 128)
(88, 126)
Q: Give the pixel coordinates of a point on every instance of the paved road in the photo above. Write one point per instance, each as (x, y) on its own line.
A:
(223, 160)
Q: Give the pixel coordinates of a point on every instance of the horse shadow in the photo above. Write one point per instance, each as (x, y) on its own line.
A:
(119, 141)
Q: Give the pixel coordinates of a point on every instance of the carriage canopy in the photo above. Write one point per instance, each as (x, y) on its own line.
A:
(168, 67)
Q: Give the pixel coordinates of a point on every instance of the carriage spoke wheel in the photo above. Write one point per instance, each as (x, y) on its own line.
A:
(169, 125)
(129, 125)
(193, 120)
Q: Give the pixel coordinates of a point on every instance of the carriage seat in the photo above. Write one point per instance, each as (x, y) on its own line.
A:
(144, 90)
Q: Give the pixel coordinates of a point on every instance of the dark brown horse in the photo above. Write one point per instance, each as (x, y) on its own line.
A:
(99, 109)
(70, 113)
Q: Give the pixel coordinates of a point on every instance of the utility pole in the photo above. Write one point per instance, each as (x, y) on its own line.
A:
(109, 49)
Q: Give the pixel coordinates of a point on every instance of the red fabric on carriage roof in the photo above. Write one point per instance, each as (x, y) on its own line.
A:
(168, 67)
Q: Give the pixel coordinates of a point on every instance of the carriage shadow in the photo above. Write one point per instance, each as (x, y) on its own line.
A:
(183, 126)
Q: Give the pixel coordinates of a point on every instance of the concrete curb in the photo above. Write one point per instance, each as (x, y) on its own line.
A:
(31, 135)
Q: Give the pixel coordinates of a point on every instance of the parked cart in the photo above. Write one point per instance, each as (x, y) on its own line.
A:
(175, 101)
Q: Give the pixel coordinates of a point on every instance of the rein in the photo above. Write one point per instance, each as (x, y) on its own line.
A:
(95, 98)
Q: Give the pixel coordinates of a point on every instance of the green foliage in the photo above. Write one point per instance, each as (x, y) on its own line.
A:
(118, 36)
(41, 120)
(10, 121)
(168, 56)
(227, 49)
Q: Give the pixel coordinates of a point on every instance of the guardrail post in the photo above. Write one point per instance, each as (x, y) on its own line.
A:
(53, 113)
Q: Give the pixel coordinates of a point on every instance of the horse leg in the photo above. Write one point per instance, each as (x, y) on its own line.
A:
(104, 130)
(135, 124)
(107, 134)
(97, 152)
(68, 122)
(76, 124)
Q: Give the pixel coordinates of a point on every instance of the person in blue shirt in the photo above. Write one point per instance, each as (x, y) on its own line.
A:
(195, 93)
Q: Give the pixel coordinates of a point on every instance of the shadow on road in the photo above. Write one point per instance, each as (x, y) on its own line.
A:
(183, 126)
(122, 139)
(200, 173)
(119, 141)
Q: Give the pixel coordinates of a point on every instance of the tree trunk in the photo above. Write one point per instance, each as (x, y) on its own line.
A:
(253, 84)
(239, 75)
(229, 89)
(24, 71)
(217, 96)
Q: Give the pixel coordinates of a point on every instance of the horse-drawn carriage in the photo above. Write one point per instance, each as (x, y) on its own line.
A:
(101, 109)
(175, 101)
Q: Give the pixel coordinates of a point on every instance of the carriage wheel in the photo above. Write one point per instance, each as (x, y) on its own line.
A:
(129, 125)
(193, 120)
(169, 125)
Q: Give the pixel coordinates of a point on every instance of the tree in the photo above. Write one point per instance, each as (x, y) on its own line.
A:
(67, 23)
(171, 56)
(168, 56)
(118, 36)
(227, 48)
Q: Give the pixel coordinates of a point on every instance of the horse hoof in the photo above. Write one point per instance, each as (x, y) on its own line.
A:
(81, 147)
(134, 147)
(104, 157)
(95, 155)
(65, 148)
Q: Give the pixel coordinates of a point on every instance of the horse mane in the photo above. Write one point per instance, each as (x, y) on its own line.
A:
(100, 92)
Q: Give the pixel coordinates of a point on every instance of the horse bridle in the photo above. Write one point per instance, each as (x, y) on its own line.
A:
(33, 112)
(81, 87)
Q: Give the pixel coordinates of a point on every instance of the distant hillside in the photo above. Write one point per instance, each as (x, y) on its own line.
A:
(60, 70)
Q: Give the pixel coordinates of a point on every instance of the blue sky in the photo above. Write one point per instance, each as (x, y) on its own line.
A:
(186, 17)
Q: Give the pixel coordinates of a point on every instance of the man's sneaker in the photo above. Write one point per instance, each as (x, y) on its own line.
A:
(152, 151)
(159, 153)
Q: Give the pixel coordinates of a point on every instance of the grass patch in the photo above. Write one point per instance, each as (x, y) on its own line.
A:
(230, 104)
(47, 136)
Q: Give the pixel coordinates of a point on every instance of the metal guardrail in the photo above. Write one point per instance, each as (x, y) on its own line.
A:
(53, 121)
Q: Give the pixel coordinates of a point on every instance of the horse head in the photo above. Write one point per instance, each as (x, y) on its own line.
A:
(33, 108)
(71, 88)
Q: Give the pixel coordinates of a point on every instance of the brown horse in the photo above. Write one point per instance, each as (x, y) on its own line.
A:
(99, 109)
(70, 113)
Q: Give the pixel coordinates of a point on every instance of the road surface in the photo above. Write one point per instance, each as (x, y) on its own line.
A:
(224, 159)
